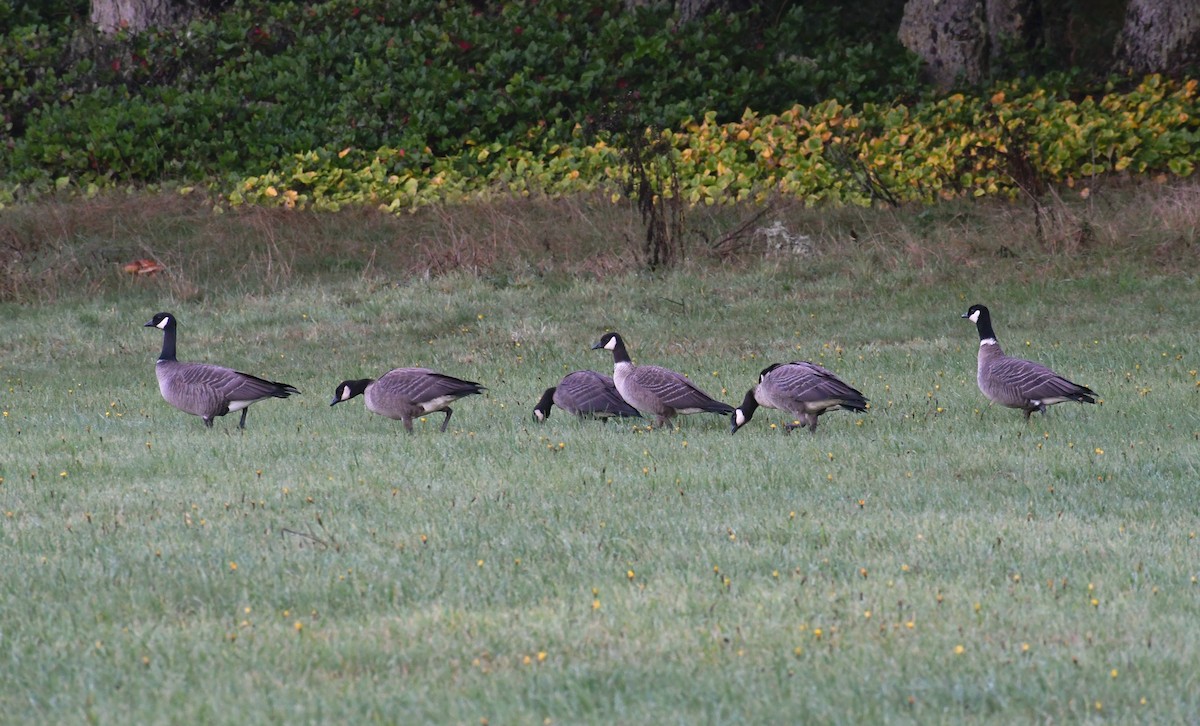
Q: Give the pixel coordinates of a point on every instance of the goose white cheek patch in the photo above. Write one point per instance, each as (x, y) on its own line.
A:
(162, 324)
(740, 417)
(346, 393)
(611, 344)
(974, 317)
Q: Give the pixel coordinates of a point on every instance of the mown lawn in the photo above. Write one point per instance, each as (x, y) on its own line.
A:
(934, 560)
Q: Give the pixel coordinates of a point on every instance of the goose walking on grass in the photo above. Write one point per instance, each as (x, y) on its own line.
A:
(585, 394)
(802, 389)
(655, 390)
(1018, 383)
(408, 393)
(206, 390)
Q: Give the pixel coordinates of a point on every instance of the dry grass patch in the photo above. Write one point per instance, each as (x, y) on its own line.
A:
(59, 247)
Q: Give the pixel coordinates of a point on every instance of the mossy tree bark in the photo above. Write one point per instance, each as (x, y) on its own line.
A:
(1159, 36)
(966, 40)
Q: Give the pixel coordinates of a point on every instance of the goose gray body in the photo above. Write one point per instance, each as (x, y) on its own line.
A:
(206, 390)
(408, 393)
(586, 394)
(655, 390)
(1018, 383)
(804, 390)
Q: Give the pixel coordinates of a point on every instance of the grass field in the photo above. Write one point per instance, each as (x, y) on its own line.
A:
(934, 560)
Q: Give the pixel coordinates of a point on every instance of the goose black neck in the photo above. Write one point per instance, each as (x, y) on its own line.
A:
(749, 404)
(546, 402)
(984, 326)
(168, 349)
(620, 355)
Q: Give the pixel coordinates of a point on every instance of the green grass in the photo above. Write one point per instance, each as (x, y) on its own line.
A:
(324, 566)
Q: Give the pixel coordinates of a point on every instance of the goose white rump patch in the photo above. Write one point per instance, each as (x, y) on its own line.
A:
(437, 403)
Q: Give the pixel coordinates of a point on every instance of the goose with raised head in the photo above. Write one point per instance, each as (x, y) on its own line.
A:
(207, 390)
(408, 393)
(1015, 382)
(585, 394)
(800, 388)
(656, 390)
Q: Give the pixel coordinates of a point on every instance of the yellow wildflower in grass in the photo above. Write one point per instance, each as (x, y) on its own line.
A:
(233, 567)
(298, 626)
(959, 650)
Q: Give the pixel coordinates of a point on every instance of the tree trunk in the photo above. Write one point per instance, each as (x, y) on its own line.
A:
(687, 9)
(948, 35)
(966, 40)
(1009, 29)
(1159, 36)
(133, 16)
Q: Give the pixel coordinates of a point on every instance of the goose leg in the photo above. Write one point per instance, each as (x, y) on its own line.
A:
(242, 422)
(446, 421)
(208, 423)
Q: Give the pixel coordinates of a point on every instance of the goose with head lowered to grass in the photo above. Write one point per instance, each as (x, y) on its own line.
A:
(804, 390)
(585, 394)
(655, 390)
(408, 393)
(1018, 383)
(206, 390)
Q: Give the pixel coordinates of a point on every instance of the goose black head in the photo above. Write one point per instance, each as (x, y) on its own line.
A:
(977, 313)
(162, 321)
(349, 389)
(608, 341)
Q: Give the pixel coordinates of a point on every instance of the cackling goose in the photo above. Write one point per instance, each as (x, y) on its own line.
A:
(804, 390)
(1018, 383)
(586, 394)
(651, 389)
(206, 390)
(406, 393)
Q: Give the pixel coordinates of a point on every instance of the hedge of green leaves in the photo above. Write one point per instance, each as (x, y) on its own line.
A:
(958, 145)
(234, 93)
(397, 105)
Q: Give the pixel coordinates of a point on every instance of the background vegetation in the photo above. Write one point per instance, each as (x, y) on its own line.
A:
(402, 105)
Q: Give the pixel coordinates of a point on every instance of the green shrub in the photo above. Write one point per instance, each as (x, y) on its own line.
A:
(236, 92)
